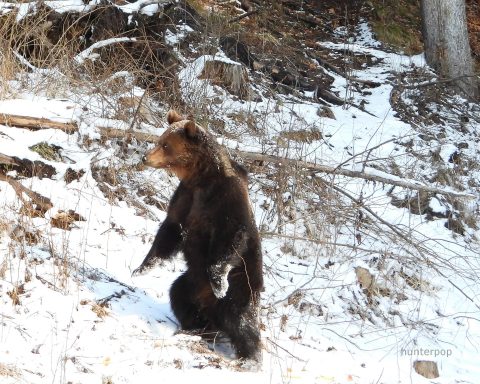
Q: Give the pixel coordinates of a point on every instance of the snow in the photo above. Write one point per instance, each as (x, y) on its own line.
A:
(88, 53)
(59, 333)
(58, 110)
(146, 7)
(182, 31)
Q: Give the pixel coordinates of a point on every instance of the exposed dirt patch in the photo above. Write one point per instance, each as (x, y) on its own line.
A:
(71, 175)
(28, 168)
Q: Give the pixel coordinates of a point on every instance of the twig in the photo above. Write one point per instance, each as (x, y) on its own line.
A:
(137, 110)
(369, 150)
(405, 238)
(321, 242)
(283, 349)
(344, 338)
(437, 82)
(114, 295)
(46, 282)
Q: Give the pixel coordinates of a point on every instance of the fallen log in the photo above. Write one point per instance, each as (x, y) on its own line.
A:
(367, 173)
(36, 123)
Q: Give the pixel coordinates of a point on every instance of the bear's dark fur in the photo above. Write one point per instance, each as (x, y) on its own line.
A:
(210, 220)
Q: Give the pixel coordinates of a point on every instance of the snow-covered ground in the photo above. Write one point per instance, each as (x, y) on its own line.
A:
(70, 312)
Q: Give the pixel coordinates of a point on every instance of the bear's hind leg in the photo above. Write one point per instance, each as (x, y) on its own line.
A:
(182, 301)
(243, 330)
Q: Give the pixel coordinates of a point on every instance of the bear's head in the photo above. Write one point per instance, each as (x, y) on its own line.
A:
(179, 149)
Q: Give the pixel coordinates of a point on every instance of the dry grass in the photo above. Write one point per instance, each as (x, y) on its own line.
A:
(8, 371)
(391, 20)
(300, 208)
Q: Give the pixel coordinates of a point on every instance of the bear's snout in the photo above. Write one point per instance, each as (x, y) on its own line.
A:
(148, 157)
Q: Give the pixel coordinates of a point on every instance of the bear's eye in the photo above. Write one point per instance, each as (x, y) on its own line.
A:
(164, 146)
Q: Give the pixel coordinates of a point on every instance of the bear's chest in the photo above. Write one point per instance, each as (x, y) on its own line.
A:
(201, 213)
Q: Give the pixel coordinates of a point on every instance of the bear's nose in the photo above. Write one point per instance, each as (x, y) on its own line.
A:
(144, 158)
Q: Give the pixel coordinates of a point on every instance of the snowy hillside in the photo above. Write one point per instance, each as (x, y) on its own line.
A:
(363, 276)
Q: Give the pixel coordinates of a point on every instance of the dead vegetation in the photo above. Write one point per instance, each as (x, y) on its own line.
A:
(303, 203)
(9, 371)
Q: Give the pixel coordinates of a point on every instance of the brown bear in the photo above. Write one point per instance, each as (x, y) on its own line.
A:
(210, 220)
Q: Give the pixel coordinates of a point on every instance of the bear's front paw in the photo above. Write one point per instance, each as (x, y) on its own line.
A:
(146, 267)
(219, 280)
(139, 271)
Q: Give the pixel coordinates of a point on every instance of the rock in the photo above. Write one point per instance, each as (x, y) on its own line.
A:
(325, 111)
(426, 368)
(365, 278)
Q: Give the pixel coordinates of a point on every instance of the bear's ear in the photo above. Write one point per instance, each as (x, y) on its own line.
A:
(190, 128)
(173, 116)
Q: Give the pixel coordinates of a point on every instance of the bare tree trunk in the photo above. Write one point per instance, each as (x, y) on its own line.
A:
(447, 47)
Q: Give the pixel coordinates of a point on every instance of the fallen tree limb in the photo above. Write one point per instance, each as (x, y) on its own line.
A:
(246, 14)
(7, 160)
(437, 82)
(321, 61)
(43, 203)
(36, 123)
(115, 133)
(367, 173)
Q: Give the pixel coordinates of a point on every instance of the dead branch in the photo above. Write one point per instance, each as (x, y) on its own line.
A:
(115, 133)
(437, 82)
(242, 16)
(7, 160)
(329, 97)
(82, 56)
(47, 283)
(374, 175)
(367, 173)
(36, 123)
(26, 167)
(43, 203)
(115, 295)
(322, 62)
